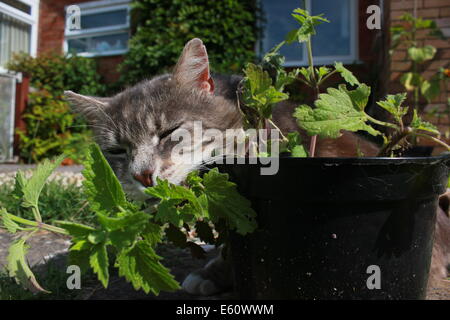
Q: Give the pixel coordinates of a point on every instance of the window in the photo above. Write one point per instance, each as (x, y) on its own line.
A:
(18, 28)
(335, 41)
(104, 29)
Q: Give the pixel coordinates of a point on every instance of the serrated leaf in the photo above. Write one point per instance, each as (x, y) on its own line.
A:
(101, 185)
(99, 262)
(7, 222)
(346, 74)
(224, 201)
(33, 187)
(79, 253)
(152, 233)
(140, 265)
(418, 124)
(76, 229)
(335, 111)
(260, 94)
(307, 25)
(393, 104)
(19, 184)
(420, 55)
(359, 96)
(123, 231)
(18, 267)
(299, 152)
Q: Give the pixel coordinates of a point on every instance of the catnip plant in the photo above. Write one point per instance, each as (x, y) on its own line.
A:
(124, 233)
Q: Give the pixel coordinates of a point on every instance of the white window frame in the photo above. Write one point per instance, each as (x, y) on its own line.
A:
(32, 19)
(352, 58)
(99, 7)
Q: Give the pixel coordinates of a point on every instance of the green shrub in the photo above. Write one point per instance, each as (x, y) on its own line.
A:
(51, 128)
(228, 29)
(56, 73)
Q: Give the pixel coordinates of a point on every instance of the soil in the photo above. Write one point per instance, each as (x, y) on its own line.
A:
(47, 247)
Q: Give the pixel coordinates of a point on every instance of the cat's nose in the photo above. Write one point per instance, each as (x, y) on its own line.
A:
(145, 178)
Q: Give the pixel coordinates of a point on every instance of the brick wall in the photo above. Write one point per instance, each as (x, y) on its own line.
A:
(51, 35)
(439, 11)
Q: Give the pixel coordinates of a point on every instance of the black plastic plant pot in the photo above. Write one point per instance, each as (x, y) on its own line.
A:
(338, 228)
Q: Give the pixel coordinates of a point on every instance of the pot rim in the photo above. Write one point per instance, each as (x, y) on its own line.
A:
(443, 158)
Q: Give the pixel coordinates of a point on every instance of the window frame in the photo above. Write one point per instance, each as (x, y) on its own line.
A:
(93, 8)
(31, 19)
(352, 58)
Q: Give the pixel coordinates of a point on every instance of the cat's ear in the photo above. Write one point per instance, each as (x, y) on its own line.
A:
(192, 68)
(90, 107)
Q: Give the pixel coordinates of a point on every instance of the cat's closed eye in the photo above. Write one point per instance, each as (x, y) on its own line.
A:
(117, 151)
(167, 133)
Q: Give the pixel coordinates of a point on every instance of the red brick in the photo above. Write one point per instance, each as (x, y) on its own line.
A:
(400, 66)
(406, 4)
(436, 3)
(438, 43)
(399, 55)
(428, 13)
(444, 12)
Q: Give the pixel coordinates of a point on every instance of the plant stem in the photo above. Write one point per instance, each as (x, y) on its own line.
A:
(382, 123)
(276, 127)
(396, 139)
(37, 224)
(326, 77)
(312, 145)
(36, 213)
(442, 143)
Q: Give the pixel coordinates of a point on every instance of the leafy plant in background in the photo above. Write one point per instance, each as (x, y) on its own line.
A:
(228, 29)
(404, 35)
(51, 127)
(123, 231)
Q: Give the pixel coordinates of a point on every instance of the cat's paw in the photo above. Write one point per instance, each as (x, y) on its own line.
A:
(196, 284)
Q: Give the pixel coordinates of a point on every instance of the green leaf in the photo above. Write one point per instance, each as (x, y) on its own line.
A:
(33, 187)
(224, 201)
(101, 186)
(335, 111)
(346, 74)
(98, 261)
(19, 185)
(431, 89)
(79, 253)
(393, 105)
(7, 222)
(76, 230)
(418, 124)
(294, 145)
(152, 233)
(359, 96)
(299, 152)
(307, 26)
(260, 93)
(18, 267)
(411, 80)
(140, 265)
(420, 55)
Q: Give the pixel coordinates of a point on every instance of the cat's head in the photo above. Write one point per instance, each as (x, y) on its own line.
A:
(134, 128)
